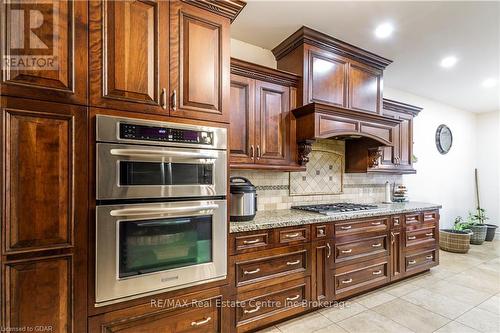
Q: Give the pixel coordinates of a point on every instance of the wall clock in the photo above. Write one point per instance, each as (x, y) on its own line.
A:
(444, 139)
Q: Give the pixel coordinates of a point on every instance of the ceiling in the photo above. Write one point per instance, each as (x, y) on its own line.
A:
(424, 33)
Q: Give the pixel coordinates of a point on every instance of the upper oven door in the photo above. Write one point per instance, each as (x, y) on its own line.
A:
(136, 171)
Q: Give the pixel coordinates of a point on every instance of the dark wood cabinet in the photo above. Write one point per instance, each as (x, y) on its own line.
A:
(129, 65)
(199, 63)
(44, 225)
(399, 157)
(333, 72)
(261, 124)
(396, 250)
(322, 272)
(52, 64)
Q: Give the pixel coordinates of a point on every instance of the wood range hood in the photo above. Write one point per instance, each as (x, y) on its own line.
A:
(363, 131)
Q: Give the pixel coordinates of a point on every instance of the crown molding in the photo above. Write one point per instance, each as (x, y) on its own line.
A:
(226, 8)
(391, 105)
(258, 72)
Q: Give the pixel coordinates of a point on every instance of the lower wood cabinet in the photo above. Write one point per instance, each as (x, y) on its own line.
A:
(326, 262)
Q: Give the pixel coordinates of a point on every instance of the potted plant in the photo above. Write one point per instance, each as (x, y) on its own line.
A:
(478, 229)
(481, 217)
(457, 239)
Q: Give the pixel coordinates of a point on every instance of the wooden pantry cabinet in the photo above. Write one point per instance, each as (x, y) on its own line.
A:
(262, 128)
(44, 221)
(326, 262)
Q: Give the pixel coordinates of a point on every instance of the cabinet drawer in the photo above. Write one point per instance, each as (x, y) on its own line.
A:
(252, 242)
(270, 267)
(359, 277)
(293, 235)
(431, 217)
(396, 221)
(412, 219)
(361, 248)
(421, 260)
(270, 301)
(421, 237)
(356, 227)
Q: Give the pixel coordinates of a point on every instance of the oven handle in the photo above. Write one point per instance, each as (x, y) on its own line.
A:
(161, 153)
(163, 210)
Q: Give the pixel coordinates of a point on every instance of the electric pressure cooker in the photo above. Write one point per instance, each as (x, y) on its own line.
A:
(243, 199)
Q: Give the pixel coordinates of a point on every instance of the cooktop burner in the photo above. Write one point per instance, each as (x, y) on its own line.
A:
(335, 208)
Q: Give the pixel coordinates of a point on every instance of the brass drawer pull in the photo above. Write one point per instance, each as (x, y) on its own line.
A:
(252, 152)
(201, 322)
(321, 232)
(329, 250)
(248, 242)
(429, 216)
(297, 234)
(377, 272)
(412, 237)
(294, 298)
(252, 272)
(377, 245)
(257, 308)
(376, 223)
(412, 262)
(346, 281)
(411, 218)
(429, 257)
(346, 251)
(291, 263)
(346, 227)
(429, 234)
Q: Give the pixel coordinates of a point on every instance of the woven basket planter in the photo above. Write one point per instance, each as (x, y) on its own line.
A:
(454, 240)
(479, 234)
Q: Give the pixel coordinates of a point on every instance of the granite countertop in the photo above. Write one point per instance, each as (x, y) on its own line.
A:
(292, 217)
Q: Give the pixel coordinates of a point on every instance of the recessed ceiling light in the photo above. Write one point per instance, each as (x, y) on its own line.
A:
(488, 83)
(449, 62)
(384, 30)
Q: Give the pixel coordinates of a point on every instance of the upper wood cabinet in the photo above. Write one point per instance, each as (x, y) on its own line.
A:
(199, 63)
(44, 50)
(129, 55)
(334, 72)
(261, 124)
(399, 157)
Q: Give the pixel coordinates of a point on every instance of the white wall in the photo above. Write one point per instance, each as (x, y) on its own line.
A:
(488, 155)
(443, 179)
(252, 53)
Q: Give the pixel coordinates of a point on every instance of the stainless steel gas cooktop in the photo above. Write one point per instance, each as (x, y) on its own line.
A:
(333, 208)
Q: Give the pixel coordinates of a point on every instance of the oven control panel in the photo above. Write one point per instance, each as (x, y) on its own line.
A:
(166, 134)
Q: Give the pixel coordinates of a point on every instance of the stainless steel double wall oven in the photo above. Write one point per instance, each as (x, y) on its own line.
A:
(161, 207)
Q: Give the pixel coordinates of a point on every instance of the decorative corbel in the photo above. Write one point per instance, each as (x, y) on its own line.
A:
(304, 148)
(374, 155)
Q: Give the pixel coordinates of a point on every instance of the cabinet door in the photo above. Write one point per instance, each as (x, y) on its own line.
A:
(365, 88)
(397, 259)
(326, 79)
(406, 142)
(272, 104)
(322, 273)
(390, 154)
(44, 171)
(44, 51)
(39, 292)
(199, 63)
(129, 55)
(242, 120)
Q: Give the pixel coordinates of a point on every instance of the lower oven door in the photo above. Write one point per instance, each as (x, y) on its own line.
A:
(147, 248)
(127, 171)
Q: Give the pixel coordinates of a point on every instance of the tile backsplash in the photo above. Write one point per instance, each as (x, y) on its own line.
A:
(324, 181)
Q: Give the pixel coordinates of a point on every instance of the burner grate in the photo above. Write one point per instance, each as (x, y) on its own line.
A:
(335, 207)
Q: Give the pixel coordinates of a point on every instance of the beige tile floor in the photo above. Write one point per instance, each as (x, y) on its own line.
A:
(462, 294)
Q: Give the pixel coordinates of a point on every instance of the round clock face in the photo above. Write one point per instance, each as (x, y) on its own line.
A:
(444, 139)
